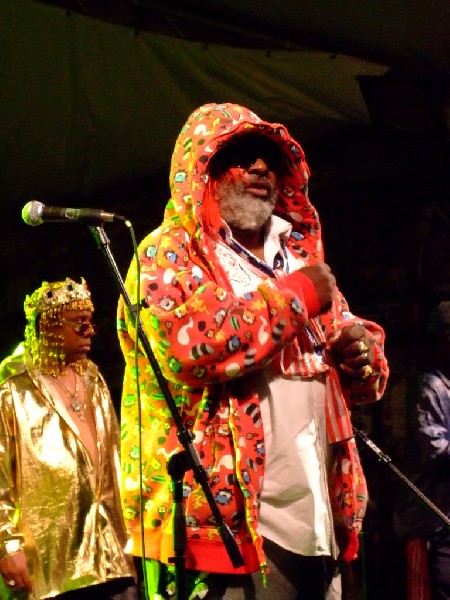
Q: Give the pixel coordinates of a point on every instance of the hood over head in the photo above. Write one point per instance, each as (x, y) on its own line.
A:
(208, 130)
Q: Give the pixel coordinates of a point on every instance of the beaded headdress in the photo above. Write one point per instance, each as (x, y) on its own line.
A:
(43, 309)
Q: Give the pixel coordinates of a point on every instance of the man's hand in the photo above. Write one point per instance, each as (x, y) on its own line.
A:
(325, 283)
(352, 349)
(14, 571)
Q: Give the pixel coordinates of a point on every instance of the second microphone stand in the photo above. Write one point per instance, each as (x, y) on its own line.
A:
(386, 459)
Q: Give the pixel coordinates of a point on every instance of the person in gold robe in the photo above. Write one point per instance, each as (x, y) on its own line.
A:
(62, 533)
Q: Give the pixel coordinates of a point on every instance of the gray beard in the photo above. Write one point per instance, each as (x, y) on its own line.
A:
(243, 211)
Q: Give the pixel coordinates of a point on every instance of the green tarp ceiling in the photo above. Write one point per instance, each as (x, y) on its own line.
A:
(87, 103)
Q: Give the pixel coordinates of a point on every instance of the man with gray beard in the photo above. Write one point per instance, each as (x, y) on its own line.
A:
(264, 357)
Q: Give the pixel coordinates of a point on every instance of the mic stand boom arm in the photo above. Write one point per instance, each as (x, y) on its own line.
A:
(191, 457)
(401, 476)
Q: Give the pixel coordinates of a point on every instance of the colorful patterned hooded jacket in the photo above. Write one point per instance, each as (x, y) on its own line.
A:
(209, 344)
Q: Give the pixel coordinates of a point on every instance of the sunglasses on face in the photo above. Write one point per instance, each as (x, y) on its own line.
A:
(243, 151)
(81, 327)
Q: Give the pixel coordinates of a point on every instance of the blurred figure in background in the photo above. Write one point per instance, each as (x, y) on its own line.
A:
(433, 422)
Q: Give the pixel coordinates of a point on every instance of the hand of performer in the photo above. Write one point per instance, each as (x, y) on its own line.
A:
(14, 571)
(352, 350)
(324, 282)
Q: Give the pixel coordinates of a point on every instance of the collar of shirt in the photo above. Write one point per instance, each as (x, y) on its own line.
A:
(276, 234)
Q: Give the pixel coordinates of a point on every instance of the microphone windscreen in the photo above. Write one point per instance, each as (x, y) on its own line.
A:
(31, 212)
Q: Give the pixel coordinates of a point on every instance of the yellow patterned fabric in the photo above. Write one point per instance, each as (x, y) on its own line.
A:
(66, 516)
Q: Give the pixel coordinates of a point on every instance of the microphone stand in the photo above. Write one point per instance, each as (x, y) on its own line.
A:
(184, 460)
(401, 476)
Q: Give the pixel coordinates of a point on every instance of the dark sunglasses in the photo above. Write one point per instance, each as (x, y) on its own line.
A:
(81, 327)
(243, 151)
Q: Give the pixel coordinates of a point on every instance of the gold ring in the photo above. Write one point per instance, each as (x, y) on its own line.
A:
(362, 347)
(367, 371)
(365, 355)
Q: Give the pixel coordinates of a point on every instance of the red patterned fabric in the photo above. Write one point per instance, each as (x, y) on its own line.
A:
(209, 342)
(348, 496)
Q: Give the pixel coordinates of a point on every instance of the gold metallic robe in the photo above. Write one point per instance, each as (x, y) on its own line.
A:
(67, 517)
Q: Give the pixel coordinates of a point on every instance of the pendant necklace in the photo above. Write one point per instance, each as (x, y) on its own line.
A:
(75, 404)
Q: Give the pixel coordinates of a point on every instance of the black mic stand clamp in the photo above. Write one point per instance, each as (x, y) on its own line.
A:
(177, 466)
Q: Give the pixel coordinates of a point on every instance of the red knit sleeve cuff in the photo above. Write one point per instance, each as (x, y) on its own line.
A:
(302, 285)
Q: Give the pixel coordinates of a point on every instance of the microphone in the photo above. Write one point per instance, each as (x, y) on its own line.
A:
(36, 213)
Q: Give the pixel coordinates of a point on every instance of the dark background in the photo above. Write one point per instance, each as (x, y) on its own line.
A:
(380, 176)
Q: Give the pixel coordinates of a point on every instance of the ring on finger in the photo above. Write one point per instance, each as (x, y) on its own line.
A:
(367, 371)
(362, 347)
